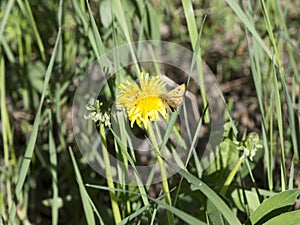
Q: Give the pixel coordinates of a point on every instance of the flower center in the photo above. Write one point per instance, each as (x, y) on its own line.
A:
(149, 103)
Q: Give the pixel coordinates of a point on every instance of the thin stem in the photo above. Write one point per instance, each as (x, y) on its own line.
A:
(110, 183)
(231, 175)
(163, 173)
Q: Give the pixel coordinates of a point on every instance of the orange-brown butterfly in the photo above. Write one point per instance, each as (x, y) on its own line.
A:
(174, 98)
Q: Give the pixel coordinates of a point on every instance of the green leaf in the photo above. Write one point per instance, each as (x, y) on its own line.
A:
(179, 213)
(274, 206)
(227, 158)
(4, 19)
(105, 13)
(222, 165)
(35, 30)
(289, 218)
(33, 136)
(214, 214)
(95, 36)
(36, 73)
(252, 200)
(87, 207)
(209, 193)
(154, 33)
(247, 22)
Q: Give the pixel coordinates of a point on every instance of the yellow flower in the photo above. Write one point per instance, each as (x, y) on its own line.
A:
(143, 104)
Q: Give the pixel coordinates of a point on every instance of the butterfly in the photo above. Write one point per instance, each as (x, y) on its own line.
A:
(174, 98)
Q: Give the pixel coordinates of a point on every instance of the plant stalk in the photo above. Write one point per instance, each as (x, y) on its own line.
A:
(163, 173)
(110, 183)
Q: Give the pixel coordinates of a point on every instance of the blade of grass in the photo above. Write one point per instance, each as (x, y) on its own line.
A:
(138, 212)
(167, 134)
(116, 5)
(290, 47)
(124, 150)
(79, 12)
(291, 177)
(53, 167)
(209, 193)
(8, 8)
(87, 208)
(280, 128)
(122, 155)
(59, 56)
(100, 49)
(109, 179)
(8, 51)
(35, 30)
(154, 33)
(19, 38)
(195, 41)
(249, 25)
(6, 134)
(291, 116)
(254, 54)
(278, 101)
(164, 178)
(33, 137)
(271, 35)
(179, 213)
(191, 150)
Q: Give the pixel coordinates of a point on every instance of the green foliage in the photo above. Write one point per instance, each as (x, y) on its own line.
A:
(47, 47)
(274, 206)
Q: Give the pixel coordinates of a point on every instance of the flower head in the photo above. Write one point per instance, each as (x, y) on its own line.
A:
(143, 104)
(96, 114)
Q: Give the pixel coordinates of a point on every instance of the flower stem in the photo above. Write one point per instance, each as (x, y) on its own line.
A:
(110, 183)
(163, 173)
(231, 176)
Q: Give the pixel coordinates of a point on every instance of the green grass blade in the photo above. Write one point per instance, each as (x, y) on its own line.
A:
(291, 117)
(6, 137)
(290, 46)
(33, 137)
(134, 215)
(116, 5)
(278, 102)
(122, 143)
(81, 15)
(280, 128)
(291, 176)
(59, 56)
(179, 213)
(195, 38)
(5, 17)
(88, 210)
(154, 33)
(108, 175)
(249, 25)
(254, 55)
(210, 194)
(53, 167)
(138, 212)
(8, 51)
(167, 134)
(97, 38)
(35, 30)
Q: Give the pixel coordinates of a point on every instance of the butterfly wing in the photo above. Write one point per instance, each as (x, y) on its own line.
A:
(174, 98)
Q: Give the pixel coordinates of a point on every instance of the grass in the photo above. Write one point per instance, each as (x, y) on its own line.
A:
(46, 50)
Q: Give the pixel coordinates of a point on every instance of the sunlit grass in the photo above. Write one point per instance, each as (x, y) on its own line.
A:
(46, 48)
